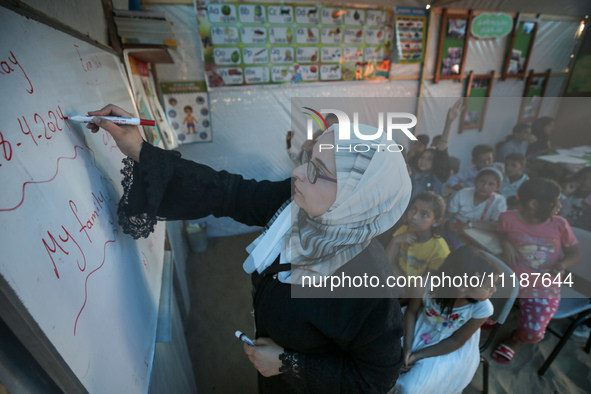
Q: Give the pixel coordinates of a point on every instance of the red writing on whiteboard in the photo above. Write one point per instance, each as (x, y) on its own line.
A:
(55, 245)
(43, 181)
(88, 64)
(145, 262)
(91, 221)
(6, 148)
(52, 124)
(7, 68)
(92, 272)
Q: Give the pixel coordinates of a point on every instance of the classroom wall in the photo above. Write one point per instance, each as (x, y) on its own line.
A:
(243, 119)
(69, 12)
(555, 42)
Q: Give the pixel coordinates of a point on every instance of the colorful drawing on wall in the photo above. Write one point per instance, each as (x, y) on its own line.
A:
(453, 45)
(491, 25)
(255, 44)
(411, 24)
(477, 94)
(520, 47)
(535, 88)
(187, 109)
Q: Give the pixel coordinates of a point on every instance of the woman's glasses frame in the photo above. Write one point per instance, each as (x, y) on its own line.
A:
(313, 171)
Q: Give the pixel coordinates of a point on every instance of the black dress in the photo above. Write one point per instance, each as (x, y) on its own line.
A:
(332, 345)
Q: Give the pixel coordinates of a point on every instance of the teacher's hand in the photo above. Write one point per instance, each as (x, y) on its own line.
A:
(265, 356)
(128, 138)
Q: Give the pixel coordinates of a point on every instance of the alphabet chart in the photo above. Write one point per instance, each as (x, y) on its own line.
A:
(250, 44)
(92, 291)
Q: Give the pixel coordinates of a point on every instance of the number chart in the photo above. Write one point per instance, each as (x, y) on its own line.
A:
(252, 44)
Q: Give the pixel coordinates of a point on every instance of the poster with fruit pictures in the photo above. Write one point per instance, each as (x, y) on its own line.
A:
(246, 44)
(187, 110)
(410, 25)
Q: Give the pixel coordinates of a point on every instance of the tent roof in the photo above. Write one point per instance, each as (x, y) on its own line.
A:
(574, 8)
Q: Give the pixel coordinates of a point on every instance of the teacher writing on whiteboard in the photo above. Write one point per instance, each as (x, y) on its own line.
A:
(327, 340)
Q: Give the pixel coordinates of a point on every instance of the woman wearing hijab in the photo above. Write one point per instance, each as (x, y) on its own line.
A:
(341, 341)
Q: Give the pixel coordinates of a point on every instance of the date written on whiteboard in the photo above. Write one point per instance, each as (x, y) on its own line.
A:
(36, 127)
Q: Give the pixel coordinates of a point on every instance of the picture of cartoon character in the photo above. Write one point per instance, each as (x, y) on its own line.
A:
(536, 256)
(189, 119)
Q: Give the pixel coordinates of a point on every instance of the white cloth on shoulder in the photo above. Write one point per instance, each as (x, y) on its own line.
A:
(373, 190)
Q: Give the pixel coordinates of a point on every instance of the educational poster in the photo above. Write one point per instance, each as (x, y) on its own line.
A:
(256, 44)
(522, 42)
(187, 110)
(411, 26)
(453, 45)
(138, 74)
(532, 97)
(477, 94)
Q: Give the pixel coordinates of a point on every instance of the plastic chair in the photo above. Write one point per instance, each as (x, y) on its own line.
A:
(574, 304)
(503, 301)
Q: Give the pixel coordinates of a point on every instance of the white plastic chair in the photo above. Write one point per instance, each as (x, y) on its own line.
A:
(575, 304)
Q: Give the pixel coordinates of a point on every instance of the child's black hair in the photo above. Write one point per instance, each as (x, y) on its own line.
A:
(466, 261)
(482, 149)
(544, 191)
(188, 107)
(516, 157)
(437, 204)
(519, 127)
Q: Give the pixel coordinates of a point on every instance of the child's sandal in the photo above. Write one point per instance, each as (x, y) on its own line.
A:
(503, 354)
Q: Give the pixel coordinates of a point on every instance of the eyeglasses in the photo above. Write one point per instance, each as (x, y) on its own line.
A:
(313, 171)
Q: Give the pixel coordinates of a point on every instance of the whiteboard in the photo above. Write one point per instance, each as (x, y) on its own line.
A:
(92, 290)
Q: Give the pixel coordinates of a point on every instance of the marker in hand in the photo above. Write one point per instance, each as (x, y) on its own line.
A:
(242, 336)
(115, 119)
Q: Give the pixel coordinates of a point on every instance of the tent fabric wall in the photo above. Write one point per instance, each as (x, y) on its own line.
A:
(249, 124)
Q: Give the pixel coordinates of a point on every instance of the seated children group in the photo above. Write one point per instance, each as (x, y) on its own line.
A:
(442, 328)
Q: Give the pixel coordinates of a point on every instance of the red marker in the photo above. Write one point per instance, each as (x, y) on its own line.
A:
(114, 119)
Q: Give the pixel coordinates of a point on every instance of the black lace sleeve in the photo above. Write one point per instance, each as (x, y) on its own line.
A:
(163, 186)
(369, 363)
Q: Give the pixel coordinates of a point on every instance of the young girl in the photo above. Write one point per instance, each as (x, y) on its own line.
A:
(534, 241)
(441, 344)
(577, 202)
(433, 166)
(417, 247)
(475, 207)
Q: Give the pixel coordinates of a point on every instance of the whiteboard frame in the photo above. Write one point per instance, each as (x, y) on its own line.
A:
(12, 310)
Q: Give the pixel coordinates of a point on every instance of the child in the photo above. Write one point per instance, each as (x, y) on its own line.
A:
(517, 143)
(533, 243)
(433, 167)
(577, 203)
(416, 148)
(189, 119)
(475, 207)
(441, 344)
(541, 128)
(514, 176)
(417, 247)
(482, 156)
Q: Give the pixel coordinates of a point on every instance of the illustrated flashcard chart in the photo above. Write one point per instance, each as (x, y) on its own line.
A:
(411, 25)
(253, 44)
(187, 109)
